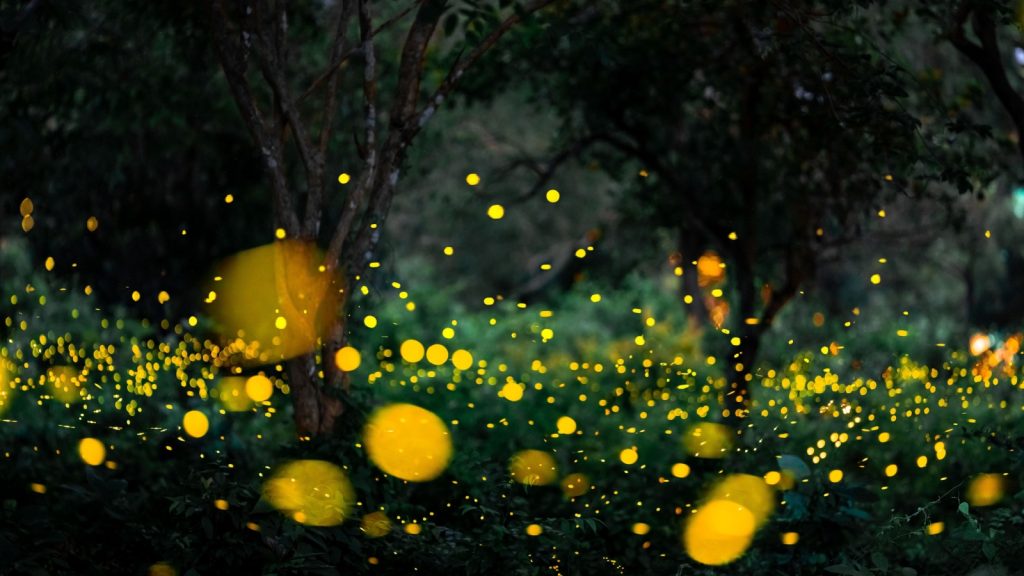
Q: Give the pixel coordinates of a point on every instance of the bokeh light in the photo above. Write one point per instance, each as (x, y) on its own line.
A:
(708, 440)
(408, 442)
(985, 490)
(311, 492)
(92, 451)
(277, 298)
(533, 468)
(719, 532)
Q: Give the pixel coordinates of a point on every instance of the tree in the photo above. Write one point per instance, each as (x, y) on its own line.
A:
(130, 126)
(768, 133)
(983, 51)
(255, 46)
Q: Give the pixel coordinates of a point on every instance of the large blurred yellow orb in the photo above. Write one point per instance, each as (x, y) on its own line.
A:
(749, 491)
(408, 442)
(719, 532)
(195, 423)
(462, 359)
(437, 354)
(92, 451)
(575, 485)
(231, 392)
(533, 468)
(376, 524)
(411, 351)
(708, 440)
(311, 492)
(566, 425)
(259, 388)
(278, 298)
(985, 490)
(347, 359)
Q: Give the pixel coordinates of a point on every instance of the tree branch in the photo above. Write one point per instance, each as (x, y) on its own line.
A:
(340, 58)
(547, 171)
(234, 58)
(314, 202)
(368, 174)
(461, 65)
(272, 65)
(988, 58)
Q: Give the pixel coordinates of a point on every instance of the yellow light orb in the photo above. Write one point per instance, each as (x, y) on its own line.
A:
(411, 351)
(231, 393)
(710, 269)
(641, 528)
(472, 178)
(196, 423)
(437, 354)
(719, 532)
(259, 388)
(566, 425)
(376, 524)
(772, 477)
(748, 491)
(533, 468)
(979, 344)
(790, 538)
(985, 490)
(311, 492)
(534, 530)
(512, 392)
(552, 196)
(278, 298)
(462, 359)
(347, 359)
(835, 476)
(629, 456)
(496, 211)
(92, 451)
(680, 470)
(408, 442)
(708, 440)
(575, 485)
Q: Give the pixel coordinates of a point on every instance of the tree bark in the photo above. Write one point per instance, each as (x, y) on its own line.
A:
(257, 31)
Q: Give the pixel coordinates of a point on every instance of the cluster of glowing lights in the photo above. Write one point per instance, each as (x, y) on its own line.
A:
(269, 304)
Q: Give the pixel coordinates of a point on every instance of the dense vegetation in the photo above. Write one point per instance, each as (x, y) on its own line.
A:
(544, 287)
